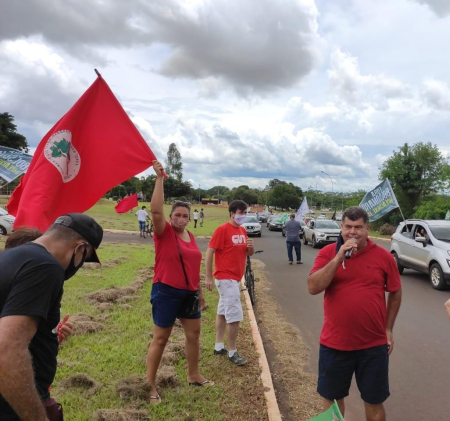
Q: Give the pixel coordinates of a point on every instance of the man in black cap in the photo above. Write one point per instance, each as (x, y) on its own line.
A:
(31, 288)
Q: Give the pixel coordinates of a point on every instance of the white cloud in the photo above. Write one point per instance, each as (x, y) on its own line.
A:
(440, 7)
(437, 94)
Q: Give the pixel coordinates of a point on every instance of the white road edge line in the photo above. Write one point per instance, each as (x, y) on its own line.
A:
(273, 411)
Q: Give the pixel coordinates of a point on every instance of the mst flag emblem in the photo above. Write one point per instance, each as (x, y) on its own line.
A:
(59, 150)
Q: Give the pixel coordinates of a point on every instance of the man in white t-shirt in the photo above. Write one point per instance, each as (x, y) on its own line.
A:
(142, 218)
(195, 218)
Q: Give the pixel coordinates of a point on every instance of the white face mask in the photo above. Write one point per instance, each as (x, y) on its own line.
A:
(239, 219)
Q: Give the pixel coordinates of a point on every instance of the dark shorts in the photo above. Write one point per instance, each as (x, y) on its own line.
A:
(169, 304)
(370, 366)
(141, 225)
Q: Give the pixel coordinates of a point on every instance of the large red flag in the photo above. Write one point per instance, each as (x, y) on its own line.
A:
(94, 147)
(127, 204)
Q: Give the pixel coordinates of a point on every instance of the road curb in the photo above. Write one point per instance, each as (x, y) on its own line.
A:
(380, 238)
(273, 411)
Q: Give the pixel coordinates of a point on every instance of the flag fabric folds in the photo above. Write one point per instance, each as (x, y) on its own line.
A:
(91, 149)
(302, 210)
(127, 204)
(379, 201)
(447, 215)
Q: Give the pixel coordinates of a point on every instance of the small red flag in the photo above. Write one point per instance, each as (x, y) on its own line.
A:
(94, 147)
(127, 204)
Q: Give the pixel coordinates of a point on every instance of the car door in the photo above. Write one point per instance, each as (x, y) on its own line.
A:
(420, 253)
(405, 243)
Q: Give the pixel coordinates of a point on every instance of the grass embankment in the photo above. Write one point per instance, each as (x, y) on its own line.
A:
(117, 346)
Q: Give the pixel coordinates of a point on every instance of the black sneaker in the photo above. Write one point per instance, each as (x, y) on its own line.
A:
(237, 359)
(223, 351)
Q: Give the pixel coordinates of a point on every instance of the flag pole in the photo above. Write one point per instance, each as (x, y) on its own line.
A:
(97, 73)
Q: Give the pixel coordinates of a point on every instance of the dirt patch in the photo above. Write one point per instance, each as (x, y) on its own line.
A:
(79, 381)
(287, 354)
(85, 323)
(125, 307)
(133, 388)
(167, 377)
(127, 298)
(121, 415)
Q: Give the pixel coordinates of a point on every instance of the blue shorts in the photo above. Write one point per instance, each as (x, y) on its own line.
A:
(141, 225)
(370, 366)
(169, 304)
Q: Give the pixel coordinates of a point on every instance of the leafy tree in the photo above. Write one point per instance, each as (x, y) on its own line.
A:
(415, 172)
(435, 207)
(285, 196)
(8, 134)
(174, 166)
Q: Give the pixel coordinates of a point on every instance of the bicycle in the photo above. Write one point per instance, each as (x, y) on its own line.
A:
(250, 279)
(148, 230)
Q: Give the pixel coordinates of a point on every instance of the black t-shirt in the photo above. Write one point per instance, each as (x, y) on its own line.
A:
(31, 284)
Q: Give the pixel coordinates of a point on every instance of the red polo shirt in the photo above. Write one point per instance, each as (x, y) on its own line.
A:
(354, 303)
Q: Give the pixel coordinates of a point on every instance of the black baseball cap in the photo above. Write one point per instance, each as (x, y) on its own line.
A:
(87, 228)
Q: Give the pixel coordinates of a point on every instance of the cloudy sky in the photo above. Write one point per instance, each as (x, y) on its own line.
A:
(249, 90)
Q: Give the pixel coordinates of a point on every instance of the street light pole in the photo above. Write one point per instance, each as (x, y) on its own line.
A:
(332, 191)
(342, 204)
(199, 193)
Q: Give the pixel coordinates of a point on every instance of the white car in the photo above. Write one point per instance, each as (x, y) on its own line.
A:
(6, 222)
(424, 246)
(252, 226)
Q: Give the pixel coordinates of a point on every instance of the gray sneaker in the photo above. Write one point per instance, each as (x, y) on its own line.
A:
(223, 351)
(237, 359)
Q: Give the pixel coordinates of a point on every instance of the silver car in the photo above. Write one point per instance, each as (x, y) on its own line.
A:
(322, 231)
(424, 246)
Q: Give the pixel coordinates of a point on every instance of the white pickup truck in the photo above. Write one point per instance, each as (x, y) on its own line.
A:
(321, 231)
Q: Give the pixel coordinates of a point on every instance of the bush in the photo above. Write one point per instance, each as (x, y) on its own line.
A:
(387, 229)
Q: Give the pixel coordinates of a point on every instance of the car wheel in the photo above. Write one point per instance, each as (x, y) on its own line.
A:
(259, 235)
(283, 234)
(437, 277)
(3, 230)
(314, 243)
(399, 265)
(305, 241)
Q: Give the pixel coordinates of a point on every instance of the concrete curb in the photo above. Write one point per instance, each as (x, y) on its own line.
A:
(273, 411)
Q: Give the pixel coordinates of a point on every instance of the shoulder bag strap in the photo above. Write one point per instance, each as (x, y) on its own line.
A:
(181, 258)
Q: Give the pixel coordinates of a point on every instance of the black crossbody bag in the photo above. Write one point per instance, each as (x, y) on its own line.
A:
(192, 302)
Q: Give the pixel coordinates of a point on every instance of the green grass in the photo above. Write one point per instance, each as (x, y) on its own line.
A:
(119, 351)
(103, 212)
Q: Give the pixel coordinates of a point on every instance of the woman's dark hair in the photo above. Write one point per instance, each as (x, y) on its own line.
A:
(354, 213)
(179, 204)
(236, 205)
(22, 236)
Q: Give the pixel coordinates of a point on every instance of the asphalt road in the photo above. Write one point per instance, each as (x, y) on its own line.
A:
(420, 362)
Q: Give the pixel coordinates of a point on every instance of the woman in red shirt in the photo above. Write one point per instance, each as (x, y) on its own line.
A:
(176, 291)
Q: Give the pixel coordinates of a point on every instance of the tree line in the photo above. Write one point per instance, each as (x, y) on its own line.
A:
(419, 175)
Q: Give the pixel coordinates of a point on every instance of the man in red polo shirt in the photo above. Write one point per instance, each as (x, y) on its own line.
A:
(231, 246)
(357, 331)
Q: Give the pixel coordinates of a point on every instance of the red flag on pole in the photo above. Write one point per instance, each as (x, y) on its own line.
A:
(94, 147)
(127, 204)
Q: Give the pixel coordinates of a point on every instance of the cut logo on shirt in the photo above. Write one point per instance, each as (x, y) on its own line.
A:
(238, 239)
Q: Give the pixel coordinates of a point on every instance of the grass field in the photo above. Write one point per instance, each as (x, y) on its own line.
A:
(116, 352)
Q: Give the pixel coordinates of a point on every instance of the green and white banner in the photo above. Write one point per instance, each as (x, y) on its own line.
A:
(331, 414)
(379, 201)
(13, 163)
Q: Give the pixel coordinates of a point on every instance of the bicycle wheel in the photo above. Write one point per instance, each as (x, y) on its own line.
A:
(251, 288)
(144, 233)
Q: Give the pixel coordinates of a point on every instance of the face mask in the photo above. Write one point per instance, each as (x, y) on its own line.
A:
(72, 269)
(179, 223)
(239, 219)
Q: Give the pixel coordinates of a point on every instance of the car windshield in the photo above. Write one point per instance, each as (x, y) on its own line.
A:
(251, 219)
(442, 233)
(3, 212)
(327, 224)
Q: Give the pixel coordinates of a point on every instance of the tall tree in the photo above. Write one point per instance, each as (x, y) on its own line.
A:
(8, 134)
(174, 166)
(415, 172)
